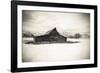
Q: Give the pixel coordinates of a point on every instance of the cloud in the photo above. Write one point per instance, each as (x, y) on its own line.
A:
(38, 22)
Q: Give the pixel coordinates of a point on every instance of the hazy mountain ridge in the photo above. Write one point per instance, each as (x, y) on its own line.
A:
(66, 34)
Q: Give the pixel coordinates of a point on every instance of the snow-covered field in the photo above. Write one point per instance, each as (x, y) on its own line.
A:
(57, 51)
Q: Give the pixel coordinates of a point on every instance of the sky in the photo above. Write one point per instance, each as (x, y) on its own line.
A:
(40, 22)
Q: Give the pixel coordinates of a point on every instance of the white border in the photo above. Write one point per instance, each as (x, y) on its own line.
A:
(38, 64)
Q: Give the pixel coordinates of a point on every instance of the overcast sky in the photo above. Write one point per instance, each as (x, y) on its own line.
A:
(39, 22)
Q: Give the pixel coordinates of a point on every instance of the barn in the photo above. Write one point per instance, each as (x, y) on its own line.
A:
(52, 37)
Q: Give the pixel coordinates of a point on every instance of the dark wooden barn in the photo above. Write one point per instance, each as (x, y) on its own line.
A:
(52, 37)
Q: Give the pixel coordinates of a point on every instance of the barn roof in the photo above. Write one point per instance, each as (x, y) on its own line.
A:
(53, 32)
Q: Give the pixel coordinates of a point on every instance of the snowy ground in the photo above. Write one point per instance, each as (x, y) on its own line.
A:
(57, 51)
